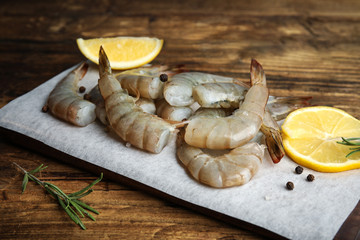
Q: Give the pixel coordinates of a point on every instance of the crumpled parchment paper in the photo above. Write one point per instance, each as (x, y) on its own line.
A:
(313, 210)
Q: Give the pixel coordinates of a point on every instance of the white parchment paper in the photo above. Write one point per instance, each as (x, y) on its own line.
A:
(313, 210)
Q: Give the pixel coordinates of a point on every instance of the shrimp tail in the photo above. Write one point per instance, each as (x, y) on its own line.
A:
(104, 64)
(107, 82)
(273, 143)
(257, 73)
(81, 70)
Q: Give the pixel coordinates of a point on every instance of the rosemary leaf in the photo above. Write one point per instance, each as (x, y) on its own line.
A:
(25, 182)
(88, 187)
(76, 206)
(80, 223)
(38, 169)
(355, 151)
(351, 142)
(67, 210)
(84, 211)
(57, 190)
(89, 215)
(86, 206)
(82, 195)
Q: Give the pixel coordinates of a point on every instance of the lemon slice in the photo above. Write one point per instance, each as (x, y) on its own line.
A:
(310, 137)
(123, 52)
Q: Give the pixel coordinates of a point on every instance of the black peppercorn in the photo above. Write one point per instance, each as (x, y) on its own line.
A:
(290, 185)
(45, 108)
(299, 169)
(163, 77)
(310, 178)
(82, 89)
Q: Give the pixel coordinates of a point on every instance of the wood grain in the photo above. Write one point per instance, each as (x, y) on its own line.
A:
(307, 48)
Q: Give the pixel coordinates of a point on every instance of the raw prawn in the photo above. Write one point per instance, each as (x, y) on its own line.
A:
(148, 82)
(147, 105)
(237, 129)
(179, 91)
(95, 97)
(219, 95)
(230, 95)
(129, 121)
(269, 128)
(168, 112)
(231, 169)
(66, 104)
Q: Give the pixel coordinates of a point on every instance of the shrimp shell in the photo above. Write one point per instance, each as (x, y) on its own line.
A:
(237, 129)
(144, 81)
(147, 105)
(147, 86)
(232, 169)
(66, 104)
(129, 121)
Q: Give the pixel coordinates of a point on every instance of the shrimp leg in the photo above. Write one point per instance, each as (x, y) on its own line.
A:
(66, 104)
(129, 121)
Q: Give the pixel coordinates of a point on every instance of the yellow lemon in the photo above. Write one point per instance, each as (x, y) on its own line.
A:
(311, 136)
(123, 52)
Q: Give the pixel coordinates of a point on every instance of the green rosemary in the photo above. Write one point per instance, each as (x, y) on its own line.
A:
(351, 142)
(69, 202)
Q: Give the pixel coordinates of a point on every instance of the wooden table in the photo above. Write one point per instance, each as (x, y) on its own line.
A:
(307, 48)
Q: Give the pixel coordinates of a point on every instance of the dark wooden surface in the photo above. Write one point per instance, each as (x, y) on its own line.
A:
(307, 48)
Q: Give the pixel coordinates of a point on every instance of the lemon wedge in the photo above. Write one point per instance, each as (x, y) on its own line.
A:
(123, 52)
(310, 137)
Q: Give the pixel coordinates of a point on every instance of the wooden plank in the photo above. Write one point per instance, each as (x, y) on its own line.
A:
(307, 48)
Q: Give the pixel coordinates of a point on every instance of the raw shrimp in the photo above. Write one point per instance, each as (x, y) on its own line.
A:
(231, 169)
(237, 129)
(269, 128)
(179, 91)
(66, 104)
(147, 105)
(168, 112)
(230, 95)
(211, 113)
(96, 98)
(146, 81)
(219, 95)
(130, 122)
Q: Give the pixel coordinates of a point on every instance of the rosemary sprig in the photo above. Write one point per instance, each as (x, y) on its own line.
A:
(351, 142)
(69, 202)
